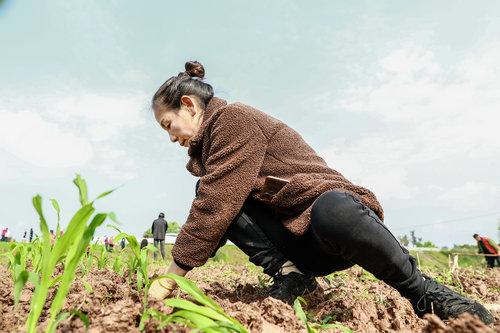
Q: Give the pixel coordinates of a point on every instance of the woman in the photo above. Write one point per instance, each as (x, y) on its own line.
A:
(317, 223)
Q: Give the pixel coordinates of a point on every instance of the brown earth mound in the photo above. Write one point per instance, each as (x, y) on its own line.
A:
(485, 284)
(465, 323)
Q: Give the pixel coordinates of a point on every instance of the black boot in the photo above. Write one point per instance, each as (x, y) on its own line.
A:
(446, 303)
(288, 287)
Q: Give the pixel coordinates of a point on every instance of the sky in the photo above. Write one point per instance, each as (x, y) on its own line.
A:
(401, 98)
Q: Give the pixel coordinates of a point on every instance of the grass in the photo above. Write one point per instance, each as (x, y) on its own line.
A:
(437, 260)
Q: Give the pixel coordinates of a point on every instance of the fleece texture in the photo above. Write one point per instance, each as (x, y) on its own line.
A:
(236, 147)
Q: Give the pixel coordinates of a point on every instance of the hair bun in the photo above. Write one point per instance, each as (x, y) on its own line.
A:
(195, 69)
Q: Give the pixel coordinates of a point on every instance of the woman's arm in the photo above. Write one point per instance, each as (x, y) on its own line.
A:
(236, 152)
(174, 269)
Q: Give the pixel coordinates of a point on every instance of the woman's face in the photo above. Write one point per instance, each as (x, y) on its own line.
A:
(181, 124)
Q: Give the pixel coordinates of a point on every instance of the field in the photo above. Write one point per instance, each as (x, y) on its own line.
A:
(351, 300)
(73, 285)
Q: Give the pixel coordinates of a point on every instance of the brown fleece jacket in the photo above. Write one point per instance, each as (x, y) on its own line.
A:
(235, 149)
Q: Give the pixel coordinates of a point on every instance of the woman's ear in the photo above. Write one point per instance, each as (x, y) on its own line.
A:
(188, 102)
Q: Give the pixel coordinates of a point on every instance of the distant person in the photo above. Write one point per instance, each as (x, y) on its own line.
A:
(265, 189)
(159, 229)
(24, 239)
(111, 244)
(4, 234)
(144, 243)
(122, 243)
(31, 235)
(487, 246)
(108, 243)
(52, 236)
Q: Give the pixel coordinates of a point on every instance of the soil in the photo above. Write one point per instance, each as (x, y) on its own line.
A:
(350, 298)
(484, 284)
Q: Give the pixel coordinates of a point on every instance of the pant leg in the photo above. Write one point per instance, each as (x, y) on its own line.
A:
(348, 228)
(248, 237)
(304, 251)
(162, 248)
(490, 261)
(259, 233)
(246, 234)
(155, 254)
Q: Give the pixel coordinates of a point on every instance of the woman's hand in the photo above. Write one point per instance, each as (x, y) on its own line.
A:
(163, 287)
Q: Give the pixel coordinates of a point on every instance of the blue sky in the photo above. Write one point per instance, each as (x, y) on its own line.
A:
(400, 98)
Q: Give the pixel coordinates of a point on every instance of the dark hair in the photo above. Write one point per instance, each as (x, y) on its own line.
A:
(475, 235)
(161, 215)
(144, 243)
(186, 83)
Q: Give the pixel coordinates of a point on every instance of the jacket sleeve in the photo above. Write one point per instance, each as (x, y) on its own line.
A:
(236, 153)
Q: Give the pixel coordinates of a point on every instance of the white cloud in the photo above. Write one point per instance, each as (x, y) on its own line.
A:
(42, 143)
(408, 64)
(9, 168)
(429, 115)
(84, 130)
(472, 196)
(103, 117)
(366, 162)
(114, 162)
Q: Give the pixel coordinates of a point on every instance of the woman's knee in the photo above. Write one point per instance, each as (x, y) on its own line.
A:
(335, 212)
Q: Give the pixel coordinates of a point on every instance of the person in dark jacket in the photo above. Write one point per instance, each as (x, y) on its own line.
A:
(159, 229)
(487, 246)
(144, 243)
(306, 220)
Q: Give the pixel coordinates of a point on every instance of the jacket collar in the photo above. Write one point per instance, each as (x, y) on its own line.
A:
(212, 106)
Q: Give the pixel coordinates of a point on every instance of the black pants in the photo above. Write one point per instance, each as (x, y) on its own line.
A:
(490, 261)
(159, 243)
(343, 232)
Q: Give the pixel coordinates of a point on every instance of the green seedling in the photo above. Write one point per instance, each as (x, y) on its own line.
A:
(67, 251)
(57, 208)
(102, 258)
(88, 259)
(17, 257)
(206, 316)
(68, 315)
(139, 261)
(118, 265)
(314, 327)
(87, 287)
(35, 255)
